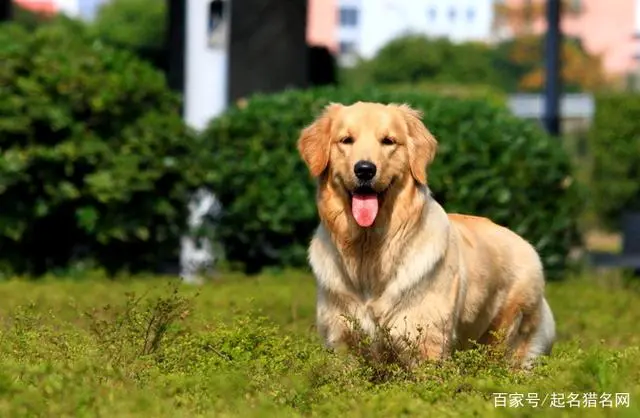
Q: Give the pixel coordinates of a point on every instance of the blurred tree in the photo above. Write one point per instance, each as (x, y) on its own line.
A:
(522, 55)
(137, 25)
(520, 19)
(417, 58)
(521, 61)
(32, 20)
(28, 18)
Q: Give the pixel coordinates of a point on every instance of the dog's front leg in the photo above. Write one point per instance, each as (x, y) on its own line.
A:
(338, 316)
(437, 343)
(431, 339)
(426, 328)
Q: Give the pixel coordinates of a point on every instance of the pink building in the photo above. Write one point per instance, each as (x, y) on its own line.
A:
(322, 23)
(40, 6)
(606, 28)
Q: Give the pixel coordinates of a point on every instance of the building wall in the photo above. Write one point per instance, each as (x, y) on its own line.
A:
(42, 6)
(322, 21)
(377, 22)
(606, 28)
(68, 7)
(85, 9)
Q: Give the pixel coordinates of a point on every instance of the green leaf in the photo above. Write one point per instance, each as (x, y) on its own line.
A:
(87, 218)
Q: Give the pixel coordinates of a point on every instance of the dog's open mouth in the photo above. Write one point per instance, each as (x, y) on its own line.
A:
(365, 202)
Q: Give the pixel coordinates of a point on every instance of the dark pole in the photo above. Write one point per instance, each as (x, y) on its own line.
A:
(176, 36)
(552, 65)
(5, 10)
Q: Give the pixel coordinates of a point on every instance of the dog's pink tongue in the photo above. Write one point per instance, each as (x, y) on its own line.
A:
(364, 209)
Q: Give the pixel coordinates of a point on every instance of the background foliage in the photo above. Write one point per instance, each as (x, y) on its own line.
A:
(95, 159)
(28, 19)
(489, 163)
(416, 58)
(520, 61)
(615, 149)
(139, 26)
(512, 65)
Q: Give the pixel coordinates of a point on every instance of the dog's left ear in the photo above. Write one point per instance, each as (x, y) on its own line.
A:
(422, 144)
(314, 143)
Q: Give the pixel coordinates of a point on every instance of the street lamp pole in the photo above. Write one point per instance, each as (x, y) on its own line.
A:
(553, 82)
(5, 10)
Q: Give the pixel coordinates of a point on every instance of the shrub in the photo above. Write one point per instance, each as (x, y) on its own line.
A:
(615, 147)
(95, 160)
(136, 25)
(461, 91)
(489, 163)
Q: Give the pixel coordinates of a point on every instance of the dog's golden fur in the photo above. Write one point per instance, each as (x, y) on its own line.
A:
(458, 278)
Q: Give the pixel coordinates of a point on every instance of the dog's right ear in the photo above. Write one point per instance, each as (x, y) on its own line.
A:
(314, 143)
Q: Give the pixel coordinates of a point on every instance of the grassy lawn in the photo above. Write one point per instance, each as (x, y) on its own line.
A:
(246, 347)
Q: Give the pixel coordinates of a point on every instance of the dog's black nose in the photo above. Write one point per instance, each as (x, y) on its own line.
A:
(364, 170)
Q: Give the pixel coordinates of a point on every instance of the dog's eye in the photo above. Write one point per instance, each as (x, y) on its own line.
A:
(387, 141)
(347, 140)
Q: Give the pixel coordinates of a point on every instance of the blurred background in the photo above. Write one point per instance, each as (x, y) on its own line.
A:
(150, 135)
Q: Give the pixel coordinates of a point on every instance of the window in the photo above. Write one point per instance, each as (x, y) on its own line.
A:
(217, 24)
(432, 14)
(348, 55)
(452, 14)
(347, 47)
(215, 15)
(348, 16)
(471, 14)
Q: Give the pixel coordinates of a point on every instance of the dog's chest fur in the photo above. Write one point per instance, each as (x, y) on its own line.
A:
(371, 262)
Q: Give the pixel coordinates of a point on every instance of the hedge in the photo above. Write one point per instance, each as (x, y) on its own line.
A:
(95, 160)
(462, 91)
(489, 163)
(615, 149)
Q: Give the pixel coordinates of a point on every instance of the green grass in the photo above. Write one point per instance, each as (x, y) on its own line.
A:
(246, 348)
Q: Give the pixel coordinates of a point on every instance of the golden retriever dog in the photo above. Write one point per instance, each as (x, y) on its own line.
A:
(387, 254)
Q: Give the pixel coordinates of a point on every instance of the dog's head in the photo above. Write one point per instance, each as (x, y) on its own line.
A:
(368, 151)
